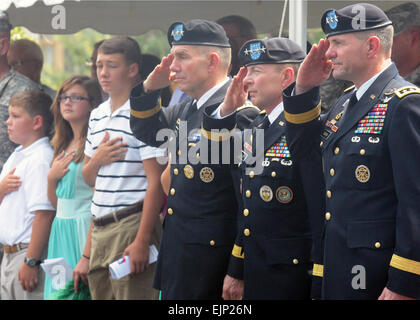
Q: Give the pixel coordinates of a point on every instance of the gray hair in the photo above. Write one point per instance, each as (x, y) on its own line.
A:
(385, 36)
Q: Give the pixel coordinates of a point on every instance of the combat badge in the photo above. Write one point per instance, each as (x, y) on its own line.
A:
(284, 194)
(362, 173)
(266, 193)
(206, 174)
(189, 171)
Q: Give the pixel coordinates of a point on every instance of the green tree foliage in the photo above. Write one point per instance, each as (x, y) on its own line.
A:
(78, 49)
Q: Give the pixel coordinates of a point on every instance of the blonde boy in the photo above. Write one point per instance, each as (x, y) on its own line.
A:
(25, 211)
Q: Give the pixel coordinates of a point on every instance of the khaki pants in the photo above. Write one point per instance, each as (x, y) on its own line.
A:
(108, 245)
(10, 285)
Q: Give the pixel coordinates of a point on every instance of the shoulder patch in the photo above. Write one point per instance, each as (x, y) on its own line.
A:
(404, 91)
(349, 88)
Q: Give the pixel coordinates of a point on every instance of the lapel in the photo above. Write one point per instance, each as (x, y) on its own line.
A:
(362, 107)
(214, 101)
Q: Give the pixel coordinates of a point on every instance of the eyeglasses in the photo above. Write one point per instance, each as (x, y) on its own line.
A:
(73, 99)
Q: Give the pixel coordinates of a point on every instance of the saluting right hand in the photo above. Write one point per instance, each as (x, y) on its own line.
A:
(236, 94)
(315, 69)
(110, 151)
(10, 183)
(160, 76)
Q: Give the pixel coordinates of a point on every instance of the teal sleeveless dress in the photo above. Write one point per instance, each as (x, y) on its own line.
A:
(71, 224)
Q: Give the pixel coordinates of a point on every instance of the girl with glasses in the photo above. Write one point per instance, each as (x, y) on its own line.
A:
(67, 191)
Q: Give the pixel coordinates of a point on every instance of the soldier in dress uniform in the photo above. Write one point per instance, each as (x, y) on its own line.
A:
(405, 18)
(371, 149)
(281, 208)
(199, 227)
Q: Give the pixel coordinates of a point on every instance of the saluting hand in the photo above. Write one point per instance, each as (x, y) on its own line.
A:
(315, 69)
(236, 93)
(160, 76)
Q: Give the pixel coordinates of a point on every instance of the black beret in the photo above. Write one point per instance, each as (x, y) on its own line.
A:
(353, 18)
(198, 32)
(270, 51)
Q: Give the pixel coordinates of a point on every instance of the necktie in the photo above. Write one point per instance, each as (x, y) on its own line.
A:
(265, 123)
(353, 100)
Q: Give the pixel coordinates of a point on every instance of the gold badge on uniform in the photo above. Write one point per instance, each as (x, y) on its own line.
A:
(284, 194)
(362, 174)
(189, 171)
(266, 193)
(206, 174)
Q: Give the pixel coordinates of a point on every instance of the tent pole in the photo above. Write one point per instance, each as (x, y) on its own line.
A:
(298, 11)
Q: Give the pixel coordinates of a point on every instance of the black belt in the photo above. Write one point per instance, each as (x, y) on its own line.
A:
(118, 215)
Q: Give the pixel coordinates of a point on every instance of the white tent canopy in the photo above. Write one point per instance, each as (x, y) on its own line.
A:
(138, 17)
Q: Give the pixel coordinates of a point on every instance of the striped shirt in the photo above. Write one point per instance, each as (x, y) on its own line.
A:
(123, 182)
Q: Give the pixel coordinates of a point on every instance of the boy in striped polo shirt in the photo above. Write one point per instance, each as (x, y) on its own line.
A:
(126, 176)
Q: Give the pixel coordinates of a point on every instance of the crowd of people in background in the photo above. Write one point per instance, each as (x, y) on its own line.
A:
(83, 177)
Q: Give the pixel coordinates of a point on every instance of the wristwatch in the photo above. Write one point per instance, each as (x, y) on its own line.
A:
(32, 262)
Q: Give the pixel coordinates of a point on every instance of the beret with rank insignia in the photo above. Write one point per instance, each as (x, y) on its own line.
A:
(270, 51)
(353, 18)
(198, 32)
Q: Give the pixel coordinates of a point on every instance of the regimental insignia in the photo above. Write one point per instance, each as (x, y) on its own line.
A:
(255, 49)
(355, 139)
(189, 171)
(279, 149)
(362, 173)
(389, 91)
(266, 193)
(206, 174)
(332, 20)
(178, 32)
(284, 194)
(373, 122)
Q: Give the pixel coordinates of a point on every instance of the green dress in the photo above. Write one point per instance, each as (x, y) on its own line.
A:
(71, 224)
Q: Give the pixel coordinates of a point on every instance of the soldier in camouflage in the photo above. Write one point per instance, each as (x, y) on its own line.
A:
(406, 48)
(11, 82)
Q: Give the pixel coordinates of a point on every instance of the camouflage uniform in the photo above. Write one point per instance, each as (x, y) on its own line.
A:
(330, 91)
(13, 82)
(404, 16)
(51, 92)
(414, 77)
